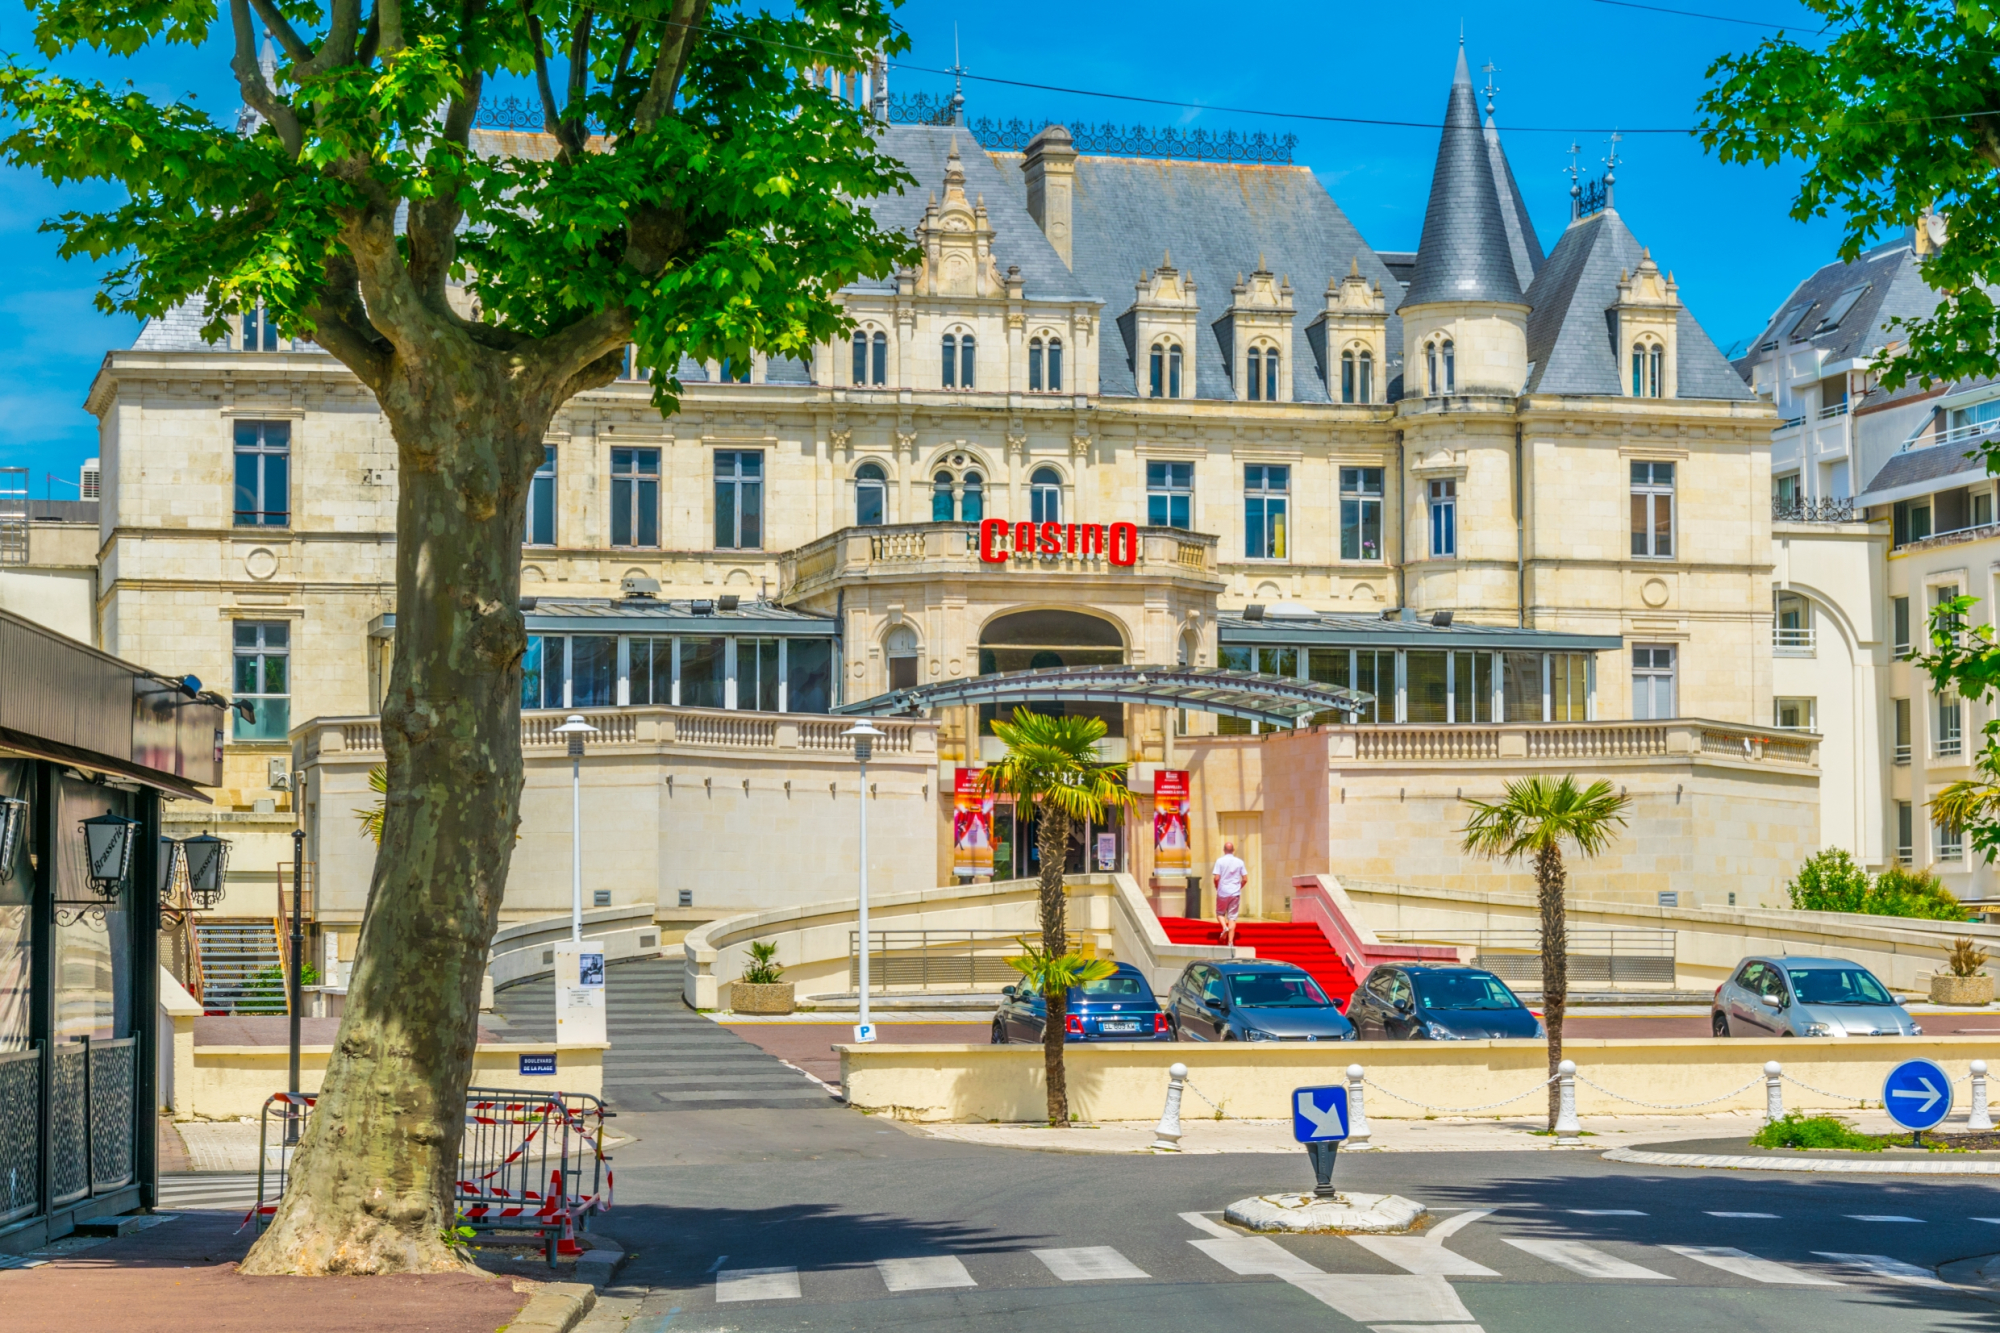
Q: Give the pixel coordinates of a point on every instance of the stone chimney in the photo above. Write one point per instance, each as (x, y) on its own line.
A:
(1050, 167)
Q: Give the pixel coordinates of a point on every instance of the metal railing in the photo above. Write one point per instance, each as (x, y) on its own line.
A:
(928, 959)
(1799, 641)
(20, 1133)
(1833, 410)
(1835, 509)
(1596, 955)
(93, 1093)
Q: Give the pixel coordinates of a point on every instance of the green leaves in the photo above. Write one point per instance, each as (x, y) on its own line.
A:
(1053, 975)
(1053, 760)
(1538, 813)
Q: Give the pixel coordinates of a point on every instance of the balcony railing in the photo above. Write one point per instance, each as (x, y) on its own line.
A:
(648, 726)
(1794, 642)
(1802, 510)
(1903, 752)
(1833, 410)
(1514, 744)
(953, 548)
(1949, 747)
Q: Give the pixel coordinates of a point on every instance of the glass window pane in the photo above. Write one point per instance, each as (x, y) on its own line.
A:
(1278, 661)
(767, 673)
(274, 674)
(1639, 522)
(1374, 674)
(621, 513)
(1055, 366)
(868, 504)
(1521, 686)
(246, 673)
(1663, 525)
(1426, 685)
(1235, 657)
(593, 666)
(649, 513)
(972, 504)
(701, 673)
(809, 665)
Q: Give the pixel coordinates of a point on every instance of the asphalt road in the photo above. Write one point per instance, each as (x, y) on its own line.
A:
(820, 1218)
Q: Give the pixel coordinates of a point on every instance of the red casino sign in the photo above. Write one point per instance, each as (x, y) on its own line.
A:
(1001, 541)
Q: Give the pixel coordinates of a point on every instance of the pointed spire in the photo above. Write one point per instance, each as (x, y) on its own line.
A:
(1522, 243)
(1464, 254)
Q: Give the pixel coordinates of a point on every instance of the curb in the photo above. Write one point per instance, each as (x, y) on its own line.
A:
(558, 1307)
(1837, 1166)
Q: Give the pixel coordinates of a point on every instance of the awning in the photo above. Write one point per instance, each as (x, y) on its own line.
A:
(1283, 701)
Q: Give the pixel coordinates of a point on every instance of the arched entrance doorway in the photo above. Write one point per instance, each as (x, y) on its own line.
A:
(1033, 640)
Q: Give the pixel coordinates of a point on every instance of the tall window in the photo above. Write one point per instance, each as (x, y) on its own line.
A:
(1950, 726)
(1905, 832)
(972, 499)
(959, 358)
(1170, 495)
(1165, 379)
(1263, 374)
(1266, 499)
(1357, 377)
(544, 672)
(1361, 513)
(1444, 517)
(1950, 842)
(1450, 352)
(264, 676)
(871, 496)
(260, 333)
(1045, 365)
(1649, 366)
(734, 370)
(542, 501)
(1045, 496)
(1652, 681)
(739, 499)
(1441, 364)
(1653, 510)
(1902, 711)
(635, 497)
(941, 505)
(1899, 616)
(263, 474)
(871, 358)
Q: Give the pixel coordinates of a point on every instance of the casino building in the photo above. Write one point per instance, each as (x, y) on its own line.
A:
(1126, 410)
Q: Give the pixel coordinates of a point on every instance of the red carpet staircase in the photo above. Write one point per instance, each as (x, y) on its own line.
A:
(1300, 943)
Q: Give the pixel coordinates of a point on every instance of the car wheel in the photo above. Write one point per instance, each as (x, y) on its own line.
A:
(1784, 1034)
(1173, 1030)
(1720, 1022)
(999, 1033)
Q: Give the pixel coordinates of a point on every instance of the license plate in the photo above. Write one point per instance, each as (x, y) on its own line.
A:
(1119, 1027)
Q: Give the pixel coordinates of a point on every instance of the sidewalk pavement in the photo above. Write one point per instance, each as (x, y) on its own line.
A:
(1445, 1134)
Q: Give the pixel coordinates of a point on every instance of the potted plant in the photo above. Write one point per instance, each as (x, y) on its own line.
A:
(1963, 982)
(759, 991)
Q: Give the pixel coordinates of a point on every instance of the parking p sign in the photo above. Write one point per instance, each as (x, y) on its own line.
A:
(1319, 1115)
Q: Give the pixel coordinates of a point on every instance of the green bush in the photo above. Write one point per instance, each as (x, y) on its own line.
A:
(1829, 881)
(764, 969)
(1799, 1130)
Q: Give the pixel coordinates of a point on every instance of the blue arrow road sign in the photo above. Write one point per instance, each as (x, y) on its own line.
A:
(1917, 1094)
(1319, 1115)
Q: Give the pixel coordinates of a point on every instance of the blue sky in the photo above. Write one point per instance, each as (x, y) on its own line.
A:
(1576, 66)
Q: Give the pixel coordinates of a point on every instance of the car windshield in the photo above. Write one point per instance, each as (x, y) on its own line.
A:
(1837, 985)
(1119, 986)
(1276, 990)
(1463, 990)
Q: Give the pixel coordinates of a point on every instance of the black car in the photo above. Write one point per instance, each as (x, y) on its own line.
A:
(1252, 1000)
(1119, 1007)
(1405, 1003)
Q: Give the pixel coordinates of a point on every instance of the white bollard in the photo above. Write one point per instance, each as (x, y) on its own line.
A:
(1357, 1113)
(1568, 1131)
(1167, 1138)
(1979, 1118)
(1774, 1091)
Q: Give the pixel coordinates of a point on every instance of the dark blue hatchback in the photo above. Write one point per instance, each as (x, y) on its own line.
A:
(1119, 1007)
(1407, 1002)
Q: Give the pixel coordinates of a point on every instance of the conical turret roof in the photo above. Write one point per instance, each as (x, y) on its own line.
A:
(1465, 254)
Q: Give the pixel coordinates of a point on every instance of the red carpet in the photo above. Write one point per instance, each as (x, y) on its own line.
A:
(1297, 942)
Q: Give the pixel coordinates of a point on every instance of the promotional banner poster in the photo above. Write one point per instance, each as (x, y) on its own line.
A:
(971, 827)
(1172, 854)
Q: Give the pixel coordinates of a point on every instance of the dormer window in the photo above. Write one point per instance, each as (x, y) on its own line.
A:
(1045, 365)
(1357, 376)
(1441, 365)
(1649, 364)
(1263, 374)
(959, 361)
(1166, 370)
(1449, 352)
(871, 358)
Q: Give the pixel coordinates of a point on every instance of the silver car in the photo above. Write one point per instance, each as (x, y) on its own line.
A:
(1807, 997)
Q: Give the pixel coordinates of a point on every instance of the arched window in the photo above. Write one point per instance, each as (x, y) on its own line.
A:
(860, 357)
(959, 360)
(1431, 381)
(881, 376)
(1255, 385)
(972, 501)
(1450, 367)
(1044, 365)
(865, 372)
(941, 498)
(1263, 374)
(1357, 376)
(901, 649)
(1055, 365)
(1648, 369)
(1045, 496)
(1034, 365)
(1166, 368)
(871, 496)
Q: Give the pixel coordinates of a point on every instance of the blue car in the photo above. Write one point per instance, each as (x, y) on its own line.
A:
(1412, 1003)
(1252, 1000)
(1119, 1007)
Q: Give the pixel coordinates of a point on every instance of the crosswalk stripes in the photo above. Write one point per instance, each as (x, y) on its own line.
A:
(1744, 1264)
(757, 1284)
(1585, 1259)
(1881, 1265)
(925, 1274)
(1426, 1254)
(230, 1191)
(1090, 1263)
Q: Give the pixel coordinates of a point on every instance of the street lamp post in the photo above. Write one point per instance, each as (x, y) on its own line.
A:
(298, 994)
(576, 729)
(864, 735)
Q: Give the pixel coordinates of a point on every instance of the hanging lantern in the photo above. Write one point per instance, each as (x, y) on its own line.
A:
(208, 865)
(13, 815)
(170, 853)
(108, 841)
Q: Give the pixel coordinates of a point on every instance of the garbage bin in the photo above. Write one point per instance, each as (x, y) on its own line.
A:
(1193, 909)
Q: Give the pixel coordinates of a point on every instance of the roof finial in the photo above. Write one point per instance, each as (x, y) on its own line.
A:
(957, 81)
(1575, 190)
(1489, 69)
(1611, 166)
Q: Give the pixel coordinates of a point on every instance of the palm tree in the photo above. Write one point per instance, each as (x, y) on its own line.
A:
(372, 817)
(1053, 977)
(1535, 817)
(1051, 764)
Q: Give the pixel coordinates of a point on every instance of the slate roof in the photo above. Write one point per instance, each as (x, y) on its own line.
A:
(1465, 253)
(1920, 471)
(1522, 243)
(1571, 333)
(1895, 288)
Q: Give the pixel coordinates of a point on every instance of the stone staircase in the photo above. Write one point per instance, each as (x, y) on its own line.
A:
(1300, 943)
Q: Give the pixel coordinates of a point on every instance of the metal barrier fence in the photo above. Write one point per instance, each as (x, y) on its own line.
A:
(935, 958)
(93, 1090)
(528, 1161)
(1601, 956)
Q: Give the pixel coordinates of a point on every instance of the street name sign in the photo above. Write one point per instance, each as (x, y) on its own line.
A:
(1319, 1115)
(1917, 1094)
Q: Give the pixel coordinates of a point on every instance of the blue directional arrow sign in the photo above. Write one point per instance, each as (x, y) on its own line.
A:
(1917, 1094)
(1319, 1115)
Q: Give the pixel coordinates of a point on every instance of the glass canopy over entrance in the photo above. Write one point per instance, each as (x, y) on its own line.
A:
(1256, 696)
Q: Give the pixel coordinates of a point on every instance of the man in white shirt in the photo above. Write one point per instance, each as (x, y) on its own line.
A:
(1230, 872)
